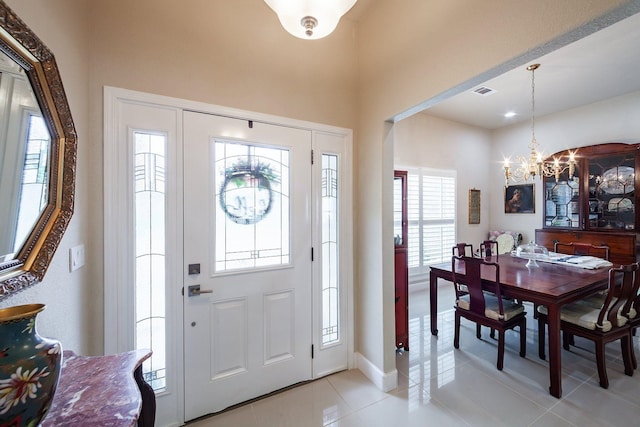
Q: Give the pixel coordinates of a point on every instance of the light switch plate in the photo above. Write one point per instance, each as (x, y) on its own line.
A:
(76, 257)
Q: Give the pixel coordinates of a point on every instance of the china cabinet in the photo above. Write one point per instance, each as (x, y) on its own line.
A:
(401, 259)
(598, 204)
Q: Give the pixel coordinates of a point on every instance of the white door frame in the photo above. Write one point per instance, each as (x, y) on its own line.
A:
(118, 267)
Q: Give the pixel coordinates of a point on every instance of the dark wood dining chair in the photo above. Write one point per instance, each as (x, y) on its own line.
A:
(572, 248)
(485, 308)
(634, 320)
(488, 248)
(462, 249)
(599, 318)
(466, 249)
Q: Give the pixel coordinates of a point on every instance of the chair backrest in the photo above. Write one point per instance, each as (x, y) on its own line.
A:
(572, 248)
(489, 248)
(468, 271)
(462, 249)
(623, 288)
(636, 302)
(635, 296)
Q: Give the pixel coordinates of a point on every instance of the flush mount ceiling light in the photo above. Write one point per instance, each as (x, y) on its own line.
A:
(310, 19)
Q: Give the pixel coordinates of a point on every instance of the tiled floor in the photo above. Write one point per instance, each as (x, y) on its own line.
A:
(441, 386)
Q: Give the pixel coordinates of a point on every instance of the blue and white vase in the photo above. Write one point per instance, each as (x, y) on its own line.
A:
(29, 367)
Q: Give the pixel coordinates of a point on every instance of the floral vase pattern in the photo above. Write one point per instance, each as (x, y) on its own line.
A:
(29, 367)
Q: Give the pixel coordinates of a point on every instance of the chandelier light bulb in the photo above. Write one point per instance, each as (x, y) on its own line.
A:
(310, 19)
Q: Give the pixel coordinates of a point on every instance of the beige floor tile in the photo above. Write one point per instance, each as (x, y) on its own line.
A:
(313, 404)
(409, 408)
(439, 385)
(591, 405)
(239, 417)
(356, 389)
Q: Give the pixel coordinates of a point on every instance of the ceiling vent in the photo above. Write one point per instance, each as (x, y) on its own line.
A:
(484, 91)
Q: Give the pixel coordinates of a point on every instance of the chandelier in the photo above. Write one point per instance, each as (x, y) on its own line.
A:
(535, 164)
(310, 19)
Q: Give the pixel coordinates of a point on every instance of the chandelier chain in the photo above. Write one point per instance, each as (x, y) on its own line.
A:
(533, 107)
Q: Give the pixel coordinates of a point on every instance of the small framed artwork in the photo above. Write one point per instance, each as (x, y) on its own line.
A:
(474, 206)
(519, 199)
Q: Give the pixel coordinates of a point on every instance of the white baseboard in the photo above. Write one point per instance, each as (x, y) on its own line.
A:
(384, 381)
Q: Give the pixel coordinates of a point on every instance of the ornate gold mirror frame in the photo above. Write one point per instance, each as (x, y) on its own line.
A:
(29, 264)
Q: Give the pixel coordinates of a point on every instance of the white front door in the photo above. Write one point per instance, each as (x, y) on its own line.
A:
(271, 304)
(247, 245)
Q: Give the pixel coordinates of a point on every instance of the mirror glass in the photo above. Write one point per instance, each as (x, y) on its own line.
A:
(24, 154)
(37, 156)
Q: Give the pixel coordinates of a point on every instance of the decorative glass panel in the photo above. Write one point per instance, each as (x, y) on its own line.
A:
(252, 216)
(149, 180)
(612, 192)
(397, 211)
(562, 201)
(330, 282)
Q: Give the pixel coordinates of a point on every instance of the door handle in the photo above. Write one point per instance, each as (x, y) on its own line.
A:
(194, 291)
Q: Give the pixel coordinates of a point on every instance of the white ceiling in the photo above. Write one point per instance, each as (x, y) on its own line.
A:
(599, 66)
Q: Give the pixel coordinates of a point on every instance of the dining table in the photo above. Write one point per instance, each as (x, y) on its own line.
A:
(550, 284)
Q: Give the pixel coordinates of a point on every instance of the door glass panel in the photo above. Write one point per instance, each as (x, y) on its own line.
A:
(252, 206)
(149, 179)
(330, 290)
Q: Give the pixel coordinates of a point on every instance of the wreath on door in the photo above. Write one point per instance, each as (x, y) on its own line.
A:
(246, 196)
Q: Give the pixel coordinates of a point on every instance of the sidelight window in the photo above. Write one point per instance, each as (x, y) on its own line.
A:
(150, 268)
(330, 278)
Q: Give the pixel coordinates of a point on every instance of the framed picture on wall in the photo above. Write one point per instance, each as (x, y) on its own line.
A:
(474, 206)
(519, 199)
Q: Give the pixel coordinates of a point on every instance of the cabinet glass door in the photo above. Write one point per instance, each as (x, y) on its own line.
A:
(562, 201)
(400, 208)
(601, 196)
(611, 192)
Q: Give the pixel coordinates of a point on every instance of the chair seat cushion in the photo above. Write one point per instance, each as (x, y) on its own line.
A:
(597, 300)
(584, 315)
(511, 309)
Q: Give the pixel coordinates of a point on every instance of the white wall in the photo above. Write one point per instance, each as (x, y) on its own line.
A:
(613, 120)
(430, 142)
(73, 300)
(409, 52)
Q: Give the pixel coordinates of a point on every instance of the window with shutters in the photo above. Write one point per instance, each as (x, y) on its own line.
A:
(431, 207)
